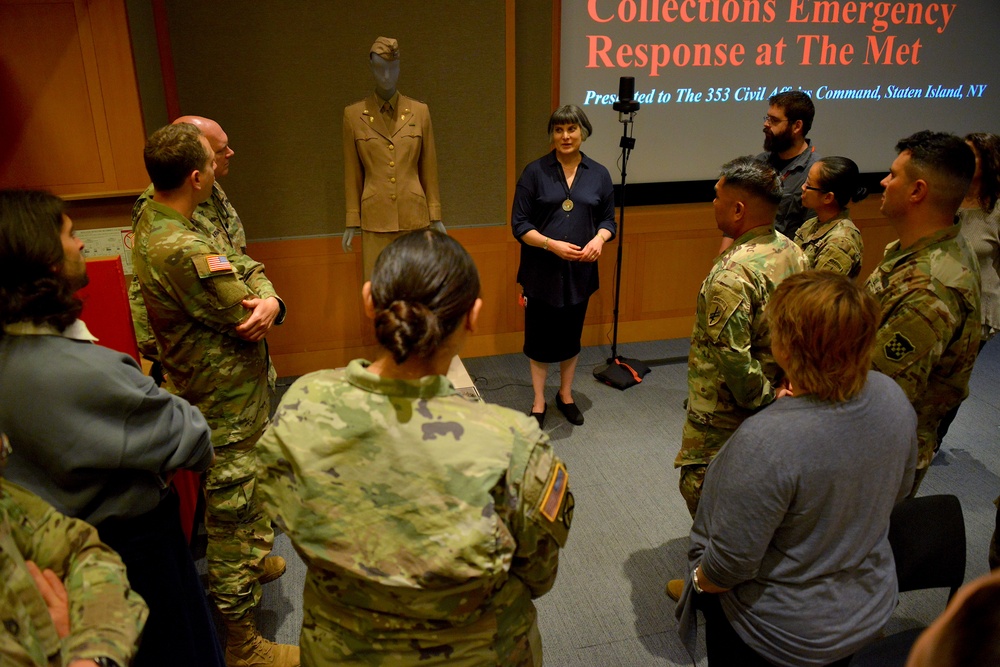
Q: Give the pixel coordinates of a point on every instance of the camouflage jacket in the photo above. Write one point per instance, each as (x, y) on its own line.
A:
(192, 288)
(929, 334)
(834, 245)
(105, 615)
(427, 521)
(731, 373)
(215, 217)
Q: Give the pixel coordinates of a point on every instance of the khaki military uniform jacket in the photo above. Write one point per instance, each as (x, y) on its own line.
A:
(105, 615)
(834, 245)
(731, 372)
(929, 334)
(193, 288)
(390, 173)
(427, 521)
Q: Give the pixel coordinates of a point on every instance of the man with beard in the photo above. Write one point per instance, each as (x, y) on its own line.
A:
(788, 120)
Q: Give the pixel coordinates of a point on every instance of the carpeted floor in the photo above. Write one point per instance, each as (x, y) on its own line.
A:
(630, 527)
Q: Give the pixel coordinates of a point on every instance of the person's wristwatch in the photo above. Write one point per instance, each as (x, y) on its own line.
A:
(545, 243)
(694, 581)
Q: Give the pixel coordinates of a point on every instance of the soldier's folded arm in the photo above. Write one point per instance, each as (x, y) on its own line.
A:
(207, 286)
(105, 615)
(253, 275)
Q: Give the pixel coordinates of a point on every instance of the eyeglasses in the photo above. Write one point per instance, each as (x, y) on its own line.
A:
(809, 187)
(771, 120)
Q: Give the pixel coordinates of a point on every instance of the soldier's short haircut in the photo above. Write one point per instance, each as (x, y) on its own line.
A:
(31, 224)
(172, 153)
(945, 161)
(422, 286)
(825, 324)
(570, 114)
(797, 106)
(753, 177)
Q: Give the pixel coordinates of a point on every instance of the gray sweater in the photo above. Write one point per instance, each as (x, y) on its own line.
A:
(794, 518)
(91, 434)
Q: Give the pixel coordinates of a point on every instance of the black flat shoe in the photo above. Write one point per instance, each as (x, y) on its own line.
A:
(540, 416)
(570, 411)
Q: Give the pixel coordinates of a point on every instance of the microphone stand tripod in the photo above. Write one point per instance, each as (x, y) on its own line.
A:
(621, 372)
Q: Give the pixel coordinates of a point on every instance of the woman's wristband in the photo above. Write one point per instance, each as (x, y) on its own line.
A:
(545, 243)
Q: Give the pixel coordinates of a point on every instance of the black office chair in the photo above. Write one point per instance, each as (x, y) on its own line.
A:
(927, 536)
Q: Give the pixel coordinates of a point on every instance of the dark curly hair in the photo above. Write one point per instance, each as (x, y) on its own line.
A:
(422, 285)
(32, 286)
(987, 148)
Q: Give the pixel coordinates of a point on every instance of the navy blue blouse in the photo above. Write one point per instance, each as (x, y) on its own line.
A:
(538, 200)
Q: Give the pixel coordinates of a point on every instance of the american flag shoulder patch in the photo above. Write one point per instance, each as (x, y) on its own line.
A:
(218, 263)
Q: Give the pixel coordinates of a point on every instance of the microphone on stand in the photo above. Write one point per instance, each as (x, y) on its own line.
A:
(626, 103)
(621, 372)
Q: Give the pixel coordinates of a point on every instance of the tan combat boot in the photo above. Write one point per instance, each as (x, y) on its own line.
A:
(274, 567)
(246, 648)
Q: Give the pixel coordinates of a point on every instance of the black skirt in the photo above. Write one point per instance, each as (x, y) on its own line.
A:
(552, 334)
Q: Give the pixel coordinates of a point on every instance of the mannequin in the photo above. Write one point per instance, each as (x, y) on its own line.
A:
(390, 164)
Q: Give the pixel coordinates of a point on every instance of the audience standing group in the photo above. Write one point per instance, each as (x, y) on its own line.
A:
(793, 367)
(788, 371)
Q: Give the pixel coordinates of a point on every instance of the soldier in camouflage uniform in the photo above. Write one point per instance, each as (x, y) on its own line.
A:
(428, 521)
(731, 373)
(830, 240)
(209, 310)
(928, 283)
(100, 616)
(216, 217)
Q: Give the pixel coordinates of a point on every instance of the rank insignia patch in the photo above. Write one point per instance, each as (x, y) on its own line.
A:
(898, 347)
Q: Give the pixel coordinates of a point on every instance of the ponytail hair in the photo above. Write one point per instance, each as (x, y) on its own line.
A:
(423, 285)
(839, 175)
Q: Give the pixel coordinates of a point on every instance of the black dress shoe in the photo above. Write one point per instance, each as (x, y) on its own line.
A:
(570, 411)
(540, 416)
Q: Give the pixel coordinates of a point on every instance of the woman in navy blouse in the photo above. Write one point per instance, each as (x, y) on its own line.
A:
(563, 214)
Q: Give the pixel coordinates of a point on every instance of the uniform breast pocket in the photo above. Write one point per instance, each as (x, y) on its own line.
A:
(411, 137)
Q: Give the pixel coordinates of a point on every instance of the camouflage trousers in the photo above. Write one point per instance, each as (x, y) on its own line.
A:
(239, 532)
(691, 481)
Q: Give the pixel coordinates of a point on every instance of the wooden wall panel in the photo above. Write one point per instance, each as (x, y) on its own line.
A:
(70, 107)
(321, 288)
(668, 251)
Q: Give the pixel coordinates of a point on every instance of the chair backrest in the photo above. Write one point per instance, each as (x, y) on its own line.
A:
(927, 536)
